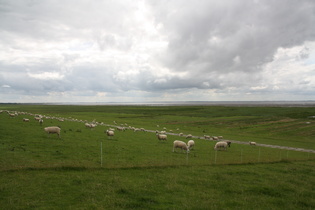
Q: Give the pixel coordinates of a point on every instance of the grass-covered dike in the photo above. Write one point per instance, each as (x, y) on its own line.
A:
(135, 170)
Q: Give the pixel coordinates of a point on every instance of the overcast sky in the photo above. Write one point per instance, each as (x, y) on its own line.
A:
(137, 51)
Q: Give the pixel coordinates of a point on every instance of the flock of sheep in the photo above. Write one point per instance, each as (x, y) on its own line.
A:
(161, 135)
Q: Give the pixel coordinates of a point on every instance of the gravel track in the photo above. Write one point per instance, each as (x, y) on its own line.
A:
(242, 142)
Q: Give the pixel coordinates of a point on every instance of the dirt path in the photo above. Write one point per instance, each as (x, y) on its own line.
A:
(242, 142)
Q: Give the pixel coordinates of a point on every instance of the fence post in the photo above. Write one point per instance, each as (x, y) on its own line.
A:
(101, 154)
(186, 158)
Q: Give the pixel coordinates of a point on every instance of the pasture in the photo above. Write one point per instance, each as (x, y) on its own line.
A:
(85, 169)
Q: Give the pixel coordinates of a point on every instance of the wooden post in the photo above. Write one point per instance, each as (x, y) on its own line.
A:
(101, 154)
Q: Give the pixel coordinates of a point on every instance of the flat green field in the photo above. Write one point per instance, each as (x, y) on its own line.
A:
(85, 169)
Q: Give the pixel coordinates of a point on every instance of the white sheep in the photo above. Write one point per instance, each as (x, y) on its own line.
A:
(188, 136)
(228, 142)
(110, 133)
(206, 137)
(25, 120)
(221, 144)
(53, 129)
(190, 144)
(88, 125)
(180, 144)
(252, 143)
(121, 128)
(136, 129)
(162, 137)
(215, 138)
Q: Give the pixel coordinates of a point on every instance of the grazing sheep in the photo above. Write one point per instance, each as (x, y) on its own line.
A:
(180, 134)
(41, 121)
(25, 120)
(53, 129)
(162, 137)
(180, 144)
(188, 136)
(252, 143)
(228, 142)
(110, 133)
(121, 128)
(215, 138)
(88, 125)
(207, 137)
(221, 144)
(190, 144)
(136, 129)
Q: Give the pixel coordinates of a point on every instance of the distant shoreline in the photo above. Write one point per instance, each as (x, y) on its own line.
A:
(309, 103)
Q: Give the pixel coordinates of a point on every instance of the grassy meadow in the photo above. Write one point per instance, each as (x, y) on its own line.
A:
(87, 170)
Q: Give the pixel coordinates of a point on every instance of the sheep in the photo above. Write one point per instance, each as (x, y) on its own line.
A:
(188, 136)
(12, 115)
(252, 143)
(110, 133)
(190, 144)
(206, 137)
(180, 144)
(136, 129)
(228, 142)
(221, 144)
(121, 128)
(25, 120)
(162, 137)
(215, 138)
(88, 125)
(41, 121)
(53, 129)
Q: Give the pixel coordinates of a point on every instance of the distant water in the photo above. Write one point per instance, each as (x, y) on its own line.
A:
(199, 103)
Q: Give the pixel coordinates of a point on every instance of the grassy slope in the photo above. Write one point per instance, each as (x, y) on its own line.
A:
(285, 185)
(140, 172)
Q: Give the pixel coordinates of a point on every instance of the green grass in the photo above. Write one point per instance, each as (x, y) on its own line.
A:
(38, 171)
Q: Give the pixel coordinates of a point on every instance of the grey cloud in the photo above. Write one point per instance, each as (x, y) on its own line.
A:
(102, 46)
(216, 33)
(59, 20)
